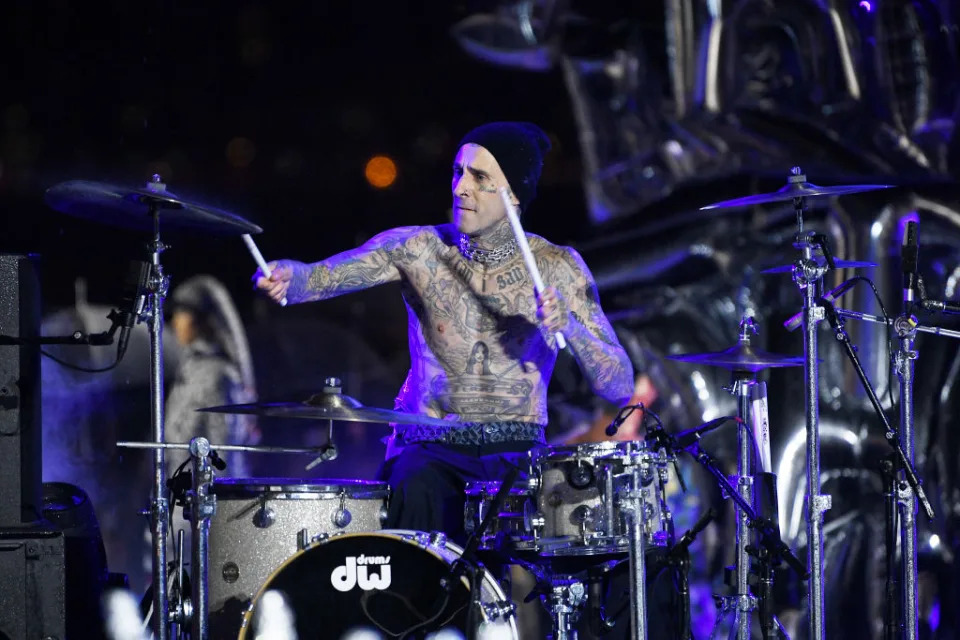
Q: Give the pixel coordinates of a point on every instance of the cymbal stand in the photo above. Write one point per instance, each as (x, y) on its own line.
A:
(908, 494)
(203, 506)
(632, 504)
(808, 274)
(157, 286)
(743, 603)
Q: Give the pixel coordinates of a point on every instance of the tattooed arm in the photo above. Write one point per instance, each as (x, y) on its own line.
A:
(375, 262)
(571, 304)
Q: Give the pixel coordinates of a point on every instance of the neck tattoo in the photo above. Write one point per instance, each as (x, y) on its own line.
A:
(486, 257)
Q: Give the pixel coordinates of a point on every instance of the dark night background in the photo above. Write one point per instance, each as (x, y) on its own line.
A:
(271, 111)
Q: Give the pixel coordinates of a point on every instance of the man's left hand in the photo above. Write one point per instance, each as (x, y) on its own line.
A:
(552, 310)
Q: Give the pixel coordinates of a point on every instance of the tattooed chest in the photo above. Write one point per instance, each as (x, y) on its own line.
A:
(470, 303)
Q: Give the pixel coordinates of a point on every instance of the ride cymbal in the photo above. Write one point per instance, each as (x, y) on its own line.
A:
(129, 208)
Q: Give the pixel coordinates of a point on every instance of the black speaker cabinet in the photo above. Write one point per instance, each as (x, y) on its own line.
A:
(20, 427)
(32, 584)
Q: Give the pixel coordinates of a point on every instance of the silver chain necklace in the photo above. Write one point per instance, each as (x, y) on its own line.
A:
(486, 256)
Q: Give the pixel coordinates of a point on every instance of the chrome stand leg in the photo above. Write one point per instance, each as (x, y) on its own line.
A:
(905, 359)
(203, 505)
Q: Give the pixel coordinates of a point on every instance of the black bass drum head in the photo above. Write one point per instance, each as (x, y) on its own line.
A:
(377, 581)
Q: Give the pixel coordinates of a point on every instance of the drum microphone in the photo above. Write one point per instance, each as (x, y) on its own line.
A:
(134, 300)
(621, 417)
(686, 438)
(328, 452)
(795, 321)
(216, 460)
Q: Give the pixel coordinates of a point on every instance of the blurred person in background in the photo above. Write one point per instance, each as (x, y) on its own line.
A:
(215, 369)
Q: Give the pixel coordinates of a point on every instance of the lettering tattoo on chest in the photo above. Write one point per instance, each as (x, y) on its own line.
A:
(463, 271)
(513, 276)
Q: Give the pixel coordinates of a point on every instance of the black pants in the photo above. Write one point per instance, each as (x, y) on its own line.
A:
(428, 480)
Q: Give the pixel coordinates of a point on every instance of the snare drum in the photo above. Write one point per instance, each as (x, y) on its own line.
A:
(577, 510)
(260, 522)
(388, 582)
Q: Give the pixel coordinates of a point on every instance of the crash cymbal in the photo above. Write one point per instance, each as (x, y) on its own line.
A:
(742, 357)
(330, 405)
(839, 264)
(796, 189)
(129, 208)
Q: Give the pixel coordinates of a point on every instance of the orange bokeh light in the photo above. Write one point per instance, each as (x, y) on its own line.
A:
(380, 172)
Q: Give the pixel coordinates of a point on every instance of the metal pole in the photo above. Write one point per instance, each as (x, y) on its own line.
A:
(638, 575)
(202, 507)
(159, 508)
(742, 386)
(906, 357)
(816, 503)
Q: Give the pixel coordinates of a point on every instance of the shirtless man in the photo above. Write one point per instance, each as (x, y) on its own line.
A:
(482, 345)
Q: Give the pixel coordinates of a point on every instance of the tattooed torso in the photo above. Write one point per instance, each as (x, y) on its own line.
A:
(477, 351)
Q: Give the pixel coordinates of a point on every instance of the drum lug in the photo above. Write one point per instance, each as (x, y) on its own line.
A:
(342, 516)
(499, 610)
(303, 539)
(383, 514)
(264, 517)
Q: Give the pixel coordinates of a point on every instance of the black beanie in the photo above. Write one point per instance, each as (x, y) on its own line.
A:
(518, 148)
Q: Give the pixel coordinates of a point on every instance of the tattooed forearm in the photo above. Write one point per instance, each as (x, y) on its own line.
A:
(606, 366)
(604, 362)
(376, 262)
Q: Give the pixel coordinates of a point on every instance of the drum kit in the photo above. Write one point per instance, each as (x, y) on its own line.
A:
(575, 512)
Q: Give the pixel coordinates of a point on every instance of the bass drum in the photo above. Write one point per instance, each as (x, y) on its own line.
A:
(388, 582)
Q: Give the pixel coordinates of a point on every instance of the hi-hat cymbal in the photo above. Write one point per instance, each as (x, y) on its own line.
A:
(839, 264)
(793, 190)
(742, 357)
(129, 208)
(330, 405)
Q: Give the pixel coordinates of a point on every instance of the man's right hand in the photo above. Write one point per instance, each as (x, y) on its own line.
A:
(278, 283)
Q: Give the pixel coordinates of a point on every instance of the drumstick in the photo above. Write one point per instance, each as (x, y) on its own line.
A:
(525, 251)
(258, 258)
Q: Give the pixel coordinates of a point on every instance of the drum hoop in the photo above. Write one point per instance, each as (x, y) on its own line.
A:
(394, 534)
(291, 489)
(480, 487)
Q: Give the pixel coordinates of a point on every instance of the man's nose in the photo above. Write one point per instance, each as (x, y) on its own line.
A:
(460, 185)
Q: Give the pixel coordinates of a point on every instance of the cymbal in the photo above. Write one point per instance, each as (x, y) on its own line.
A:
(128, 208)
(796, 190)
(742, 357)
(839, 264)
(328, 405)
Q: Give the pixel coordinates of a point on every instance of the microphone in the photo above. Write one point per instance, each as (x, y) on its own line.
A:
(909, 254)
(216, 460)
(686, 438)
(797, 319)
(614, 426)
(621, 417)
(134, 299)
(328, 452)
